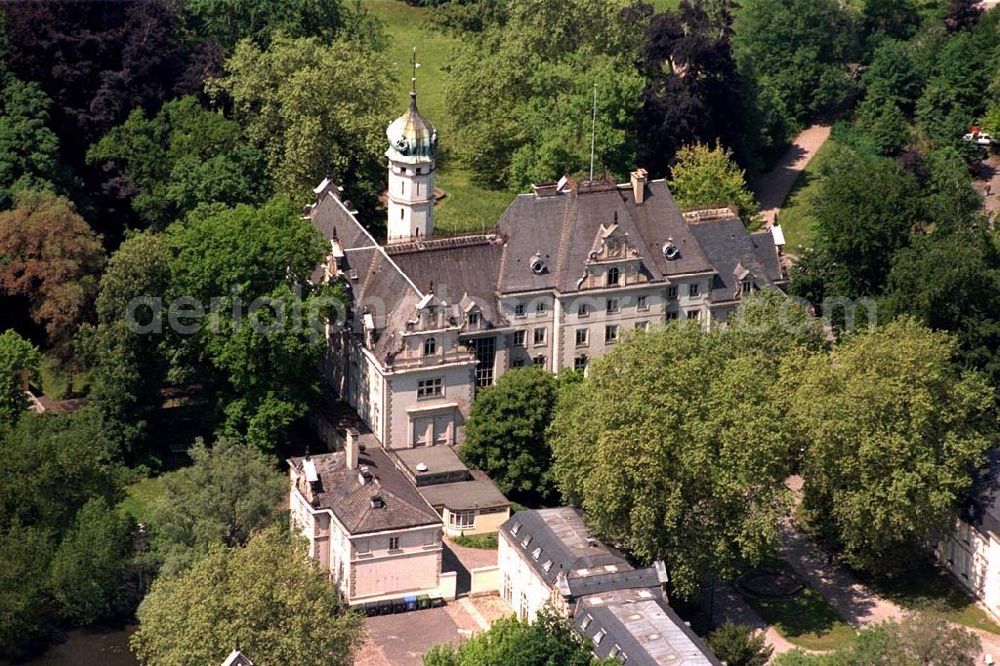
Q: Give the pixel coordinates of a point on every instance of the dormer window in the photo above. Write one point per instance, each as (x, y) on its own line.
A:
(614, 275)
(430, 347)
(519, 309)
(748, 286)
(473, 319)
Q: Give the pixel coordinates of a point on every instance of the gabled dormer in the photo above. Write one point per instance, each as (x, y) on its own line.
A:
(472, 314)
(746, 281)
(612, 261)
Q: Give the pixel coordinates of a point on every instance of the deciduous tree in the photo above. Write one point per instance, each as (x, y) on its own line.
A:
(19, 360)
(314, 109)
(672, 446)
(229, 492)
(49, 255)
(740, 645)
(28, 146)
(890, 430)
(88, 570)
(505, 434)
(548, 640)
(268, 596)
(183, 157)
(705, 177)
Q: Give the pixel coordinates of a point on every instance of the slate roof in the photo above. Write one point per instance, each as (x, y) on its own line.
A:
(639, 625)
(589, 565)
(456, 270)
(728, 246)
(560, 229)
(351, 501)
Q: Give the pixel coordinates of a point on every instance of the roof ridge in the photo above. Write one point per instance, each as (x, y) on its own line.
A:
(376, 243)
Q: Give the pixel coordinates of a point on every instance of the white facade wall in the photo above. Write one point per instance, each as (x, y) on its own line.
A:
(410, 199)
(425, 421)
(363, 567)
(973, 557)
(520, 585)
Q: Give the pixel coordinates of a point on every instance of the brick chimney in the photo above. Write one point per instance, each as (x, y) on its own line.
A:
(638, 178)
(351, 444)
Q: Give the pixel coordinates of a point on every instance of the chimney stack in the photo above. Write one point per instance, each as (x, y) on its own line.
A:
(351, 445)
(638, 178)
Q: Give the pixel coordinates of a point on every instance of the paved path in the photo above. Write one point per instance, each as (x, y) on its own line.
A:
(772, 188)
(731, 606)
(856, 603)
(987, 183)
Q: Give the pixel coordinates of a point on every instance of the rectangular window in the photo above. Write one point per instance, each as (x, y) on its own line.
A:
(540, 307)
(486, 353)
(641, 304)
(519, 309)
(517, 338)
(672, 292)
(582, 310)
(612, 305)
(611, 333)
(539, 336)
(671, 315)
(473, 319)
(580, 363)
(693, 289)
(694, 314)
(462, 519)
(393, 543)
(582, 337)
(430, 388)
(538, 361)
(641, 325)
(517, 363)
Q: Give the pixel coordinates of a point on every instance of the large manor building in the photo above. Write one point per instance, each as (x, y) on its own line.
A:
(567, 272)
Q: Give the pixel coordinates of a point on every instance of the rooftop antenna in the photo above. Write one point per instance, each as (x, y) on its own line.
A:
(593, 131)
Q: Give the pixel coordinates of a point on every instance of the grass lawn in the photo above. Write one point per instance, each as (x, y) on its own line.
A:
(466, 207)
(485, 541)
(933, 590)
(141, 496)
(806, 620)
(796, 215)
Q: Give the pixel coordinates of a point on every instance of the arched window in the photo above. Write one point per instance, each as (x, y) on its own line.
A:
(430, 346)
(613, 275)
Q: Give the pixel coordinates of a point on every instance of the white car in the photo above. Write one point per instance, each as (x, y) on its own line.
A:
(980, 138)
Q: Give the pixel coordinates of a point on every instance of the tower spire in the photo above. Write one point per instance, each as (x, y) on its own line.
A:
(413, 79)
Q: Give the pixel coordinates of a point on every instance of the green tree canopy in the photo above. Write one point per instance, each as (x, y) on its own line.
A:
(548, 640)
(259, 347)
(128, 369)
(51, 465)
(315, 110)
(890, 430)
(864, 212)
(705, 177)
(505, 433)
(795, 48)
(229, 492)
(521, 91)
(19, 360)
(183, 157)
(228, 21)
(88, 570)
(23, 587)
(672, 446)
(267, 596)
(739, 645)
(28, 146)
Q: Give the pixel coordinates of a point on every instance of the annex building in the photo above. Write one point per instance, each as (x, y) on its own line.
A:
(567, 272)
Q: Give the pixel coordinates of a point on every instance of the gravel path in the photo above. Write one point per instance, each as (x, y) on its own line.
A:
(772, 188)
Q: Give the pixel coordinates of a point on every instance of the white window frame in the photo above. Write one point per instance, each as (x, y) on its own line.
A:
(463, 520)
(428, 389)
(582, 337)
(611, 334)
(535, 336)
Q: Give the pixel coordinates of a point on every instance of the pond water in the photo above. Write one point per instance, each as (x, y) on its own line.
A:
(90, 648)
